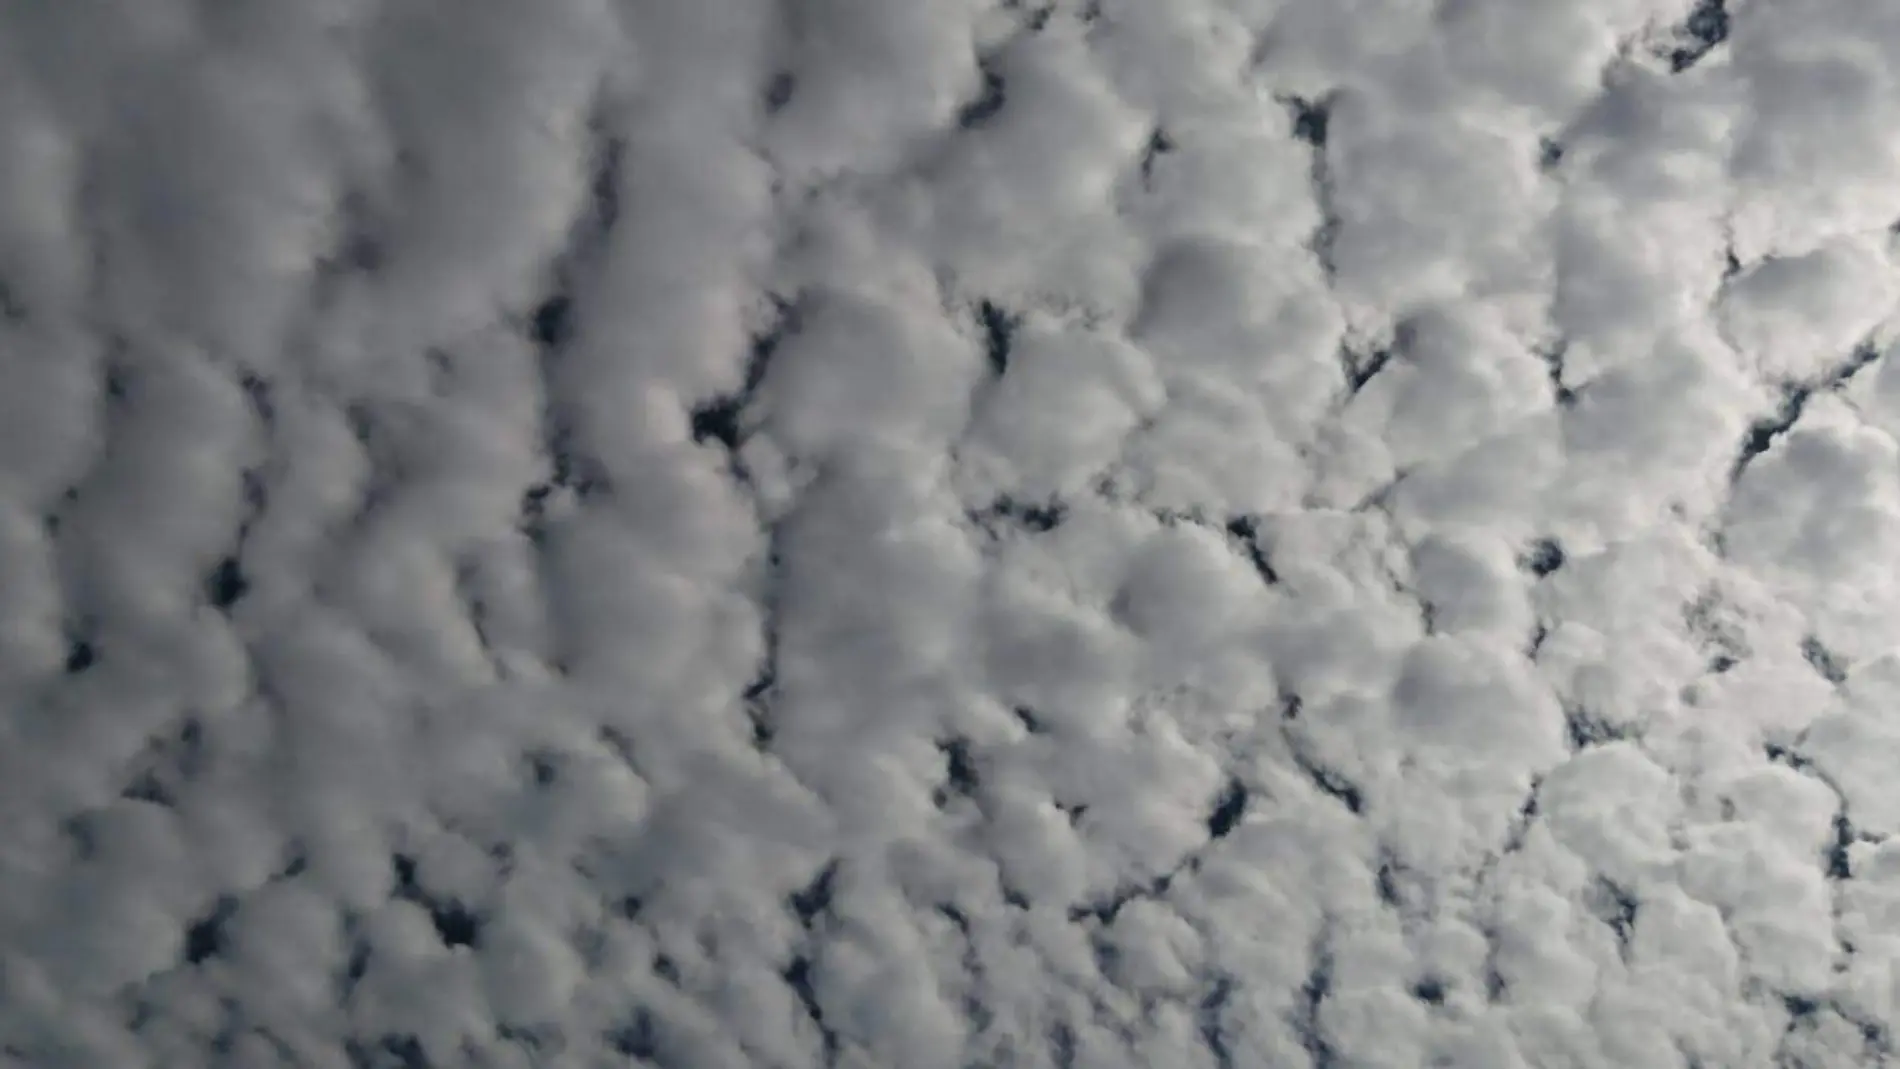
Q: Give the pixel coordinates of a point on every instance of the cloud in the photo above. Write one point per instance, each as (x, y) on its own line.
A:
(847, 534)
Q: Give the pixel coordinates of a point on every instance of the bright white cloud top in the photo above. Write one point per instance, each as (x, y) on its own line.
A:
(1217, 534)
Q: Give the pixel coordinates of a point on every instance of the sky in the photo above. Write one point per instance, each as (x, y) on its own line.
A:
(949, 534)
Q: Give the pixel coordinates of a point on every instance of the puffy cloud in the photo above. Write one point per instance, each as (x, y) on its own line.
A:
(1280, 532)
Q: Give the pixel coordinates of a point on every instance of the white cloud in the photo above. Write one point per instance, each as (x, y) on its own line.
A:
(1098, 534)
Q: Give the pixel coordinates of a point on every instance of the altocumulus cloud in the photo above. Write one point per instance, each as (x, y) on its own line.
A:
(1072, 534)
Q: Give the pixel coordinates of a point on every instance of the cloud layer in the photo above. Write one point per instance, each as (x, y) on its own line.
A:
(1211, 534)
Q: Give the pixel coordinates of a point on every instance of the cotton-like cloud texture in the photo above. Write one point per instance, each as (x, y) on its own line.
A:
(906, 533)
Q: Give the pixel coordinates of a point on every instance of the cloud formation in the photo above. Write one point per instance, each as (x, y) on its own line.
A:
(1213, 534)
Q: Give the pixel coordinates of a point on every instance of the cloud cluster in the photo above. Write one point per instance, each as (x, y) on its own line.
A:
(1066, 534)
